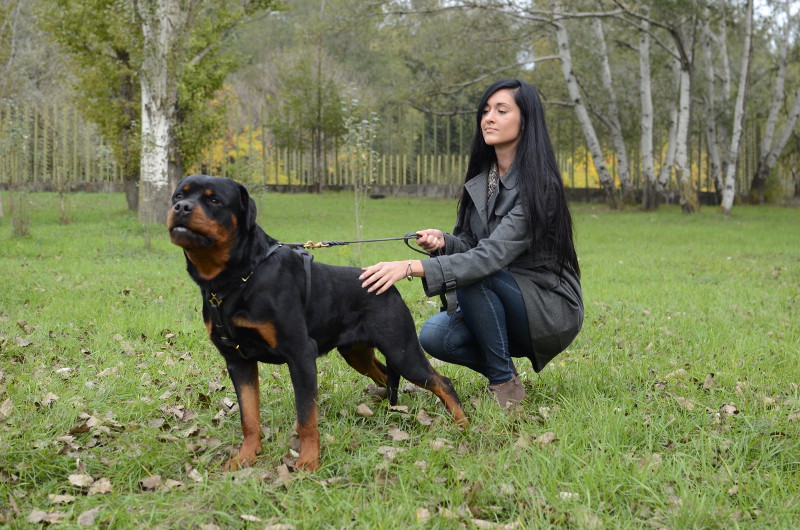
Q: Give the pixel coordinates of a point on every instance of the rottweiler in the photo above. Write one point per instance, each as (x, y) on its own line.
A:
(272, 303)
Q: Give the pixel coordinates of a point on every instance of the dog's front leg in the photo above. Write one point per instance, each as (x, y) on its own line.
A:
(244, 375)
(303, 371)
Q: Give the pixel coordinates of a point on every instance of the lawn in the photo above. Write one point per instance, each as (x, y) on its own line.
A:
(677, 406)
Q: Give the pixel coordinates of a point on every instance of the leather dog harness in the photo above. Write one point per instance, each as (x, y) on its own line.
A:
(221, 319)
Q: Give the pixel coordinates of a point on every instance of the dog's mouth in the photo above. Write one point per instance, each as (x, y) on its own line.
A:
(185, 237)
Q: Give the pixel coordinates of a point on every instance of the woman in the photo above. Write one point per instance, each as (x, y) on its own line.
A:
(511, 258)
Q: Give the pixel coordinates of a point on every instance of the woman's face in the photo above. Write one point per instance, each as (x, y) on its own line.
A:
(501, 119)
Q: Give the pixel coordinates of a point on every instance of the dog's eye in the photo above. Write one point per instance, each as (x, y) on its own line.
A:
(213, 200)
(178, 196)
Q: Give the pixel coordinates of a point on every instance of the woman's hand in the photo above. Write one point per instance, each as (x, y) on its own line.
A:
(383, 275)
(430, 240)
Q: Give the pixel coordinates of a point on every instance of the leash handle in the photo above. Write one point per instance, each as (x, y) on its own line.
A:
(413, 235)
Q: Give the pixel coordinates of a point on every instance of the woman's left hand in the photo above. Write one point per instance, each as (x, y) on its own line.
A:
(383, 275)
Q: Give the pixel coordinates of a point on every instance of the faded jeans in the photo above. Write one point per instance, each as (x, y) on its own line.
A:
(489, 328)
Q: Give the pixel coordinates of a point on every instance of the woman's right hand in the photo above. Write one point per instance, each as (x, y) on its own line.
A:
(430, 240)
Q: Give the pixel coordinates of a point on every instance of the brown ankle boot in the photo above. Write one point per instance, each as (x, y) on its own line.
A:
(510, 393)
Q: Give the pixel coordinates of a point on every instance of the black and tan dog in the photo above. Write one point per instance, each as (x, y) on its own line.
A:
(271, 303)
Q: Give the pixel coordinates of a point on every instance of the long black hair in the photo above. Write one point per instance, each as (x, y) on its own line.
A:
(538, 175)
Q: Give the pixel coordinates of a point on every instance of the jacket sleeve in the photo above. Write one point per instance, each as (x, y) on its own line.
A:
(463, 264)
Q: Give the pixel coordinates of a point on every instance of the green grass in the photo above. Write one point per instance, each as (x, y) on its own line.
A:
(102, 315)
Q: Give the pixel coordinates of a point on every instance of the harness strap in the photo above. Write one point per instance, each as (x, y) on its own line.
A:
(222, 323)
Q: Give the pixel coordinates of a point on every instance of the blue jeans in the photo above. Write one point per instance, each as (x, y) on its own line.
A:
(489, 328)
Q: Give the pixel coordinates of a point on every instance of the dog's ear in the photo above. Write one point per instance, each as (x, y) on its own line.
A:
(248, 208)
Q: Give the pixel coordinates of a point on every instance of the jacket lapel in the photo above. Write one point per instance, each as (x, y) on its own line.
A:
(476, 188)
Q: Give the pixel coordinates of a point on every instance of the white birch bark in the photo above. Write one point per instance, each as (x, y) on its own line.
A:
(665, 172)
(592, 142)
(646, 122)
(729, 189)
(617, 138)
(162, 23)
(688, 191)
(711, 107)
(769, 152)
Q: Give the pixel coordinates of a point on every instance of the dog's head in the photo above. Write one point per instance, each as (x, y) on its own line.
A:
(207, 217)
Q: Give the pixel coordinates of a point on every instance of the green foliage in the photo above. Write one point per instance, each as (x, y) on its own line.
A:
(104, 40)
(310, 103)
(677, 406)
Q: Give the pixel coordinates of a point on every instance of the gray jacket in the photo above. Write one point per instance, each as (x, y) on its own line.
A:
(495, 238)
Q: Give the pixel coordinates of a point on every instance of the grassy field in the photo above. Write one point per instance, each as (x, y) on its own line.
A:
(676, 407)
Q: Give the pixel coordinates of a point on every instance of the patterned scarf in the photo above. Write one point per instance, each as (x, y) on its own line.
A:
(493, 180)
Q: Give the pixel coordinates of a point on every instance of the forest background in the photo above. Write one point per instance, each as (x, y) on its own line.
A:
(685, 101)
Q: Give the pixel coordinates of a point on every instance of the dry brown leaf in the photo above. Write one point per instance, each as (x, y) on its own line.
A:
(88, 517)
(61, 499)
(794, 416)
(6, 408)
(195, 475)
(81, 480)
(40, 516)
(440, 443)
(709, 382)
(523, 442)
(402, 409)
(546, 438)
(364, 411)
(729, 409)
(389, 452)
(49, 399)
(172, 484)
(191, 431)
(422, 514)
(685, 403)
(424, 418)
(284, 476)
(677, 374)
(397, 434)
(101, 487)
(250, 518)
(150, 483)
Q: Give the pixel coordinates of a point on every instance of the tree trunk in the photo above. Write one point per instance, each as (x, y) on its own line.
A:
(589, 133)
(649, 201)
(163, 21)
(768, 154)
(711, 109)
(768, 160)
(729, 190)
(686, 187)
(623, 167)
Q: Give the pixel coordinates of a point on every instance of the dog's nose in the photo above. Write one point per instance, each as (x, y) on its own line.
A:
(183, 207)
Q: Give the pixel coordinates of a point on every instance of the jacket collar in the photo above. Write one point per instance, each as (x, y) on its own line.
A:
(476, 187)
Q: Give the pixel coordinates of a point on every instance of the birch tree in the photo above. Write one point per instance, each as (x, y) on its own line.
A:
(612, 115)
(576, 98)
(729, 189)
(646, 120)
(170, 31)
(771, 145)
(164, 24)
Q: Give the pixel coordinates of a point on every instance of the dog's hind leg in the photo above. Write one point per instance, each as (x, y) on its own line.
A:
(392, 384)
(414, 366)
(362, 358)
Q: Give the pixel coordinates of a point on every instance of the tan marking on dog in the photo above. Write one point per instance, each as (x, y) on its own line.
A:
(266, 329)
